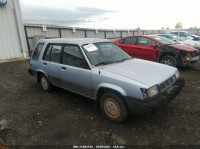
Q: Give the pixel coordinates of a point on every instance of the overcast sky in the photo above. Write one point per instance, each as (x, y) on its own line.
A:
(112, 14)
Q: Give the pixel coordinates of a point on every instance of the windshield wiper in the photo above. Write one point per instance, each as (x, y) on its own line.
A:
(124, 59)
(104, 63)
(110, 62)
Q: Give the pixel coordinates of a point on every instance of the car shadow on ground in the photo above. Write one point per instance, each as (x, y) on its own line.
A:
(88, 105)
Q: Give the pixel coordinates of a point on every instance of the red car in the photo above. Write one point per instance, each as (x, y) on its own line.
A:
(158, 49)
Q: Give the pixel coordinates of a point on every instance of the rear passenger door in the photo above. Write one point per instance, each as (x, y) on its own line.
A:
(129, 45)
(51, 63)
(76, 75)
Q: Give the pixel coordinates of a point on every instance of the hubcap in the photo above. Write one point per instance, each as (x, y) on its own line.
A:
(44, 83)
(167, 61)
(112, 108)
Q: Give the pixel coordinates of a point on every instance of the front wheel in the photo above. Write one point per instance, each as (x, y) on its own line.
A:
(168, 60)
(113, 107)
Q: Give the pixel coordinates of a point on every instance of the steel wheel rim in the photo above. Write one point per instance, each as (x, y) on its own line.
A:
(44, 83)
(112, 108)
(167, 61)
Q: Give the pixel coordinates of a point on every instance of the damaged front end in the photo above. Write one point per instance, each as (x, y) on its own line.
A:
(188, 58)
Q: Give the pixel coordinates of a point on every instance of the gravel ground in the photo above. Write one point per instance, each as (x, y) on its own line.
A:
(29, 116)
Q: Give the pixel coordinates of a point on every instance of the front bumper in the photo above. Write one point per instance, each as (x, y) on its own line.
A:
(141, 106)
(191, 59)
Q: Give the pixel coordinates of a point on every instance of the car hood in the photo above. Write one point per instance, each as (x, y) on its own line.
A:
(183, 47)
(146, 72)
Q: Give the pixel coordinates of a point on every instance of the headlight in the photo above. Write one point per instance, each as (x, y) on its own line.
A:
(177, 74)
(197, 45)
(151, 92)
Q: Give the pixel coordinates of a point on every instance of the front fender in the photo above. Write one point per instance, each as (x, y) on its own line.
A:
(111, 87)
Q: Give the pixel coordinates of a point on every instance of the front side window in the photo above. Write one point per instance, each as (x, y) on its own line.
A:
(73, 57)
(104, 53)
(37, 51)
(53, 53)
(142, 41)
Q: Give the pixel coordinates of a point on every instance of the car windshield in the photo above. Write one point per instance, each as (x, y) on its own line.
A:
(164, 40)
(177, 38)
(104, 53)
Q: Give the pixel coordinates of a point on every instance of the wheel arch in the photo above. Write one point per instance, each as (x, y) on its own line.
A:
(108, 88)
(39, 73)
(165, 54)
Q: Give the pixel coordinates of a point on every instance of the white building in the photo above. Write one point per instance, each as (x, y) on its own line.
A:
(12, 36)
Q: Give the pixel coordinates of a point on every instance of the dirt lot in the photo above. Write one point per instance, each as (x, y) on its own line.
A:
(29, 116)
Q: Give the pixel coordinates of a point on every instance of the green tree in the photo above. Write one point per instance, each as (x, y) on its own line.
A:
(179, 25)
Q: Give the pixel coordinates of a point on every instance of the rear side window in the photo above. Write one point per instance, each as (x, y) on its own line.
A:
(130, 40)
(56, 53)
(53, 53)
(37, 51)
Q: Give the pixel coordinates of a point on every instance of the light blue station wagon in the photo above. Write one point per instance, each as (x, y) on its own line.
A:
(100, 70)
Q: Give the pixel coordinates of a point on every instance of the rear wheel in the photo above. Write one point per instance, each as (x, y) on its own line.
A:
(45, 84)
(113, 107)
(168, 60)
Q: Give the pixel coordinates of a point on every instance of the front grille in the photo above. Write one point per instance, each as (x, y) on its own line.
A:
(163, 86)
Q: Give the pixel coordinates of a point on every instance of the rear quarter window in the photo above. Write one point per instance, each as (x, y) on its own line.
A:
(37, 51)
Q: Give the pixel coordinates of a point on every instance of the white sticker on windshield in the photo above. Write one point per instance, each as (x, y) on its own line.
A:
(90, 47)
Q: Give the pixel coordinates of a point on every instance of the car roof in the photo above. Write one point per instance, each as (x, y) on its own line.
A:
(79, 41)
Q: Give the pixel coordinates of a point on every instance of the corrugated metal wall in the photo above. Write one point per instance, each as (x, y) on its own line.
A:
(67, 32)
(62, 32)
(12, 38)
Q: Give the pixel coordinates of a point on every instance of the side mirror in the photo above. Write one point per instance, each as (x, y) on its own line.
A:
(174, 40)
(153, 46)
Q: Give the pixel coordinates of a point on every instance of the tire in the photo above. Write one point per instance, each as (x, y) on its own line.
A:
(119, 111)
(45, 84)
(169, 60)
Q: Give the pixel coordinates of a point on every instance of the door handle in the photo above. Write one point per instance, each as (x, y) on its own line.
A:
(45, 63)
(63, 68)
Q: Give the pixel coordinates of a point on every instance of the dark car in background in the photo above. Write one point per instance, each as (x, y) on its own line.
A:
(158, 49)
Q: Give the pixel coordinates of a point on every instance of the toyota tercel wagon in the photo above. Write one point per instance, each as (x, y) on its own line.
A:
(100, 70)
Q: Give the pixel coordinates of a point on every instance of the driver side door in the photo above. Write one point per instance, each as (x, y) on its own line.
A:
(76, 74)
(144, 49)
